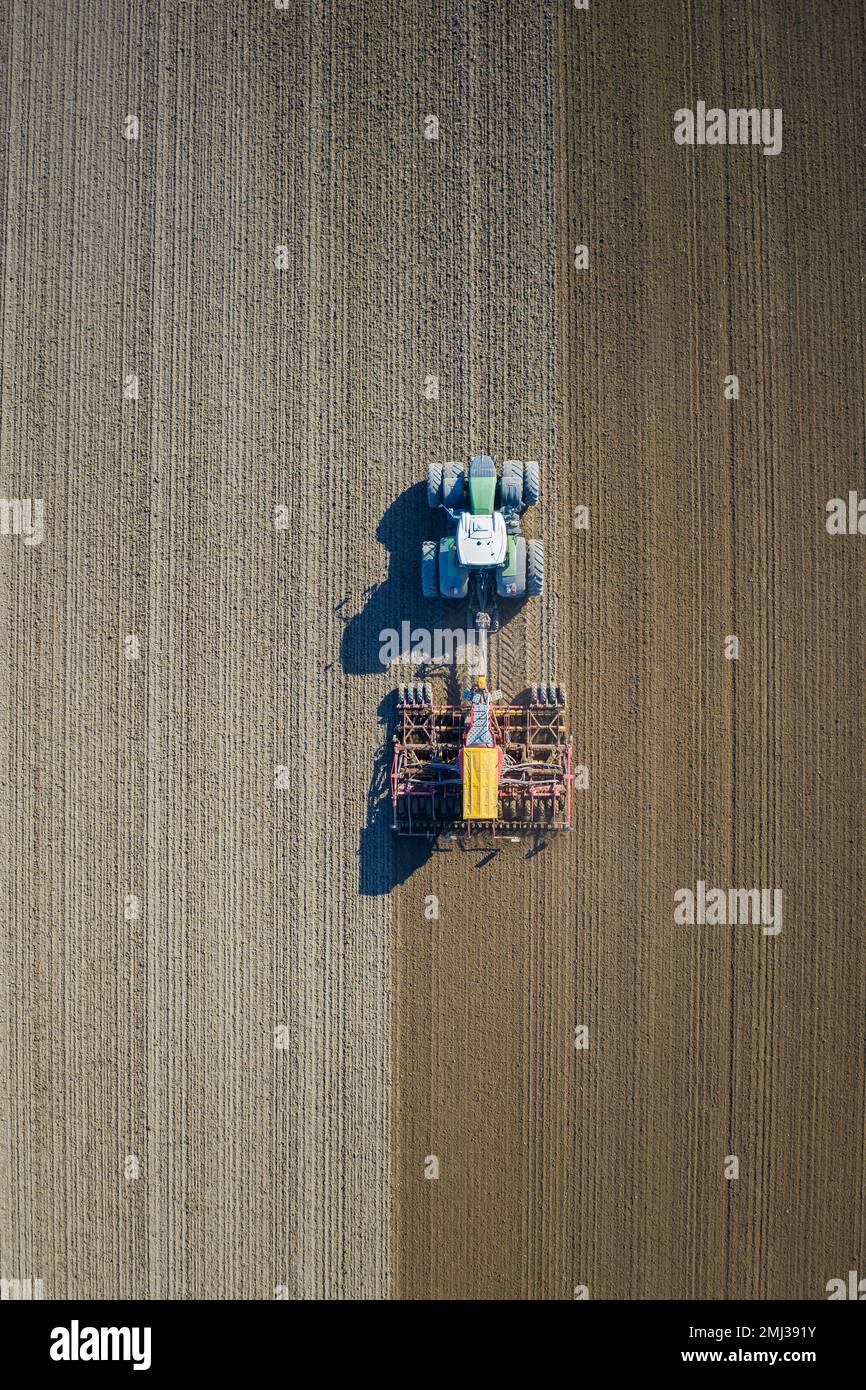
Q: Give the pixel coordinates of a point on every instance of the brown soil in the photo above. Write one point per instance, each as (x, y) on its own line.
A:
(294, 1162)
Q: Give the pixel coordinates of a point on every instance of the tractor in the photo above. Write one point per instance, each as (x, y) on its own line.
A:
(484, 556)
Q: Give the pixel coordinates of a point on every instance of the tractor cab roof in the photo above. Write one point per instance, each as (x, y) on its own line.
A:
(482, 540)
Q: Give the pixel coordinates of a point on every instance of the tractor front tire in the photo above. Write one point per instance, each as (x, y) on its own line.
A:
(434, 485)
(531, 483)
(511, 486)
(454, 486)
(430, 569)
(535, 568)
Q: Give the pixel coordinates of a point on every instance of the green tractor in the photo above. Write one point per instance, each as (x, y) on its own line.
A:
(483, 557)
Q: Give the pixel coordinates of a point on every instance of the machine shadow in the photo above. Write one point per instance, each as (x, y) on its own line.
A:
(398, 599)
(385, 859)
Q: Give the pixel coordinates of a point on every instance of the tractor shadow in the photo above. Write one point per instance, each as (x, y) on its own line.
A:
(398, 599)
(386, 859)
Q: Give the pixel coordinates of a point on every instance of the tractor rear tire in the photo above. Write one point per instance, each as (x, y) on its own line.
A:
(454, 486)
(511, 486)
(535, 568)
(430, 569)
(531, 483)
(434, 485)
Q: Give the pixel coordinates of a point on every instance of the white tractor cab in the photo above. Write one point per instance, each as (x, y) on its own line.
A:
(481, 540)
(484, 555)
